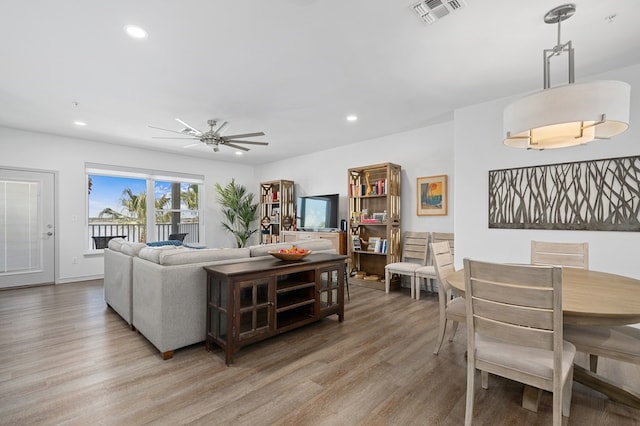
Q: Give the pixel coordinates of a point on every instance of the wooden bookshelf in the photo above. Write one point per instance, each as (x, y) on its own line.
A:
(276, 210)
(374, 222)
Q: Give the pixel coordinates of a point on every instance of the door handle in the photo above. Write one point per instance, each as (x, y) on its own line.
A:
(48, 234)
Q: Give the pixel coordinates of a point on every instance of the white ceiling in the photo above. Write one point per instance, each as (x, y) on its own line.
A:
(291, 68)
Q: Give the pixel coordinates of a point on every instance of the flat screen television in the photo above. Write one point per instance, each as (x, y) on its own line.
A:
(317, 212)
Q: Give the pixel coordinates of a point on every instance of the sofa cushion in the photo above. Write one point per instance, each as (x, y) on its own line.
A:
(194, 246)
(115, 243)
(152, 254)
(317, 245)
(165, 243)
(182, 256)
(124, 246)
(264, 249)
(132, 249)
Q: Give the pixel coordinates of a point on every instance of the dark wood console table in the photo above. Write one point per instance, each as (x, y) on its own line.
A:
(251, 301)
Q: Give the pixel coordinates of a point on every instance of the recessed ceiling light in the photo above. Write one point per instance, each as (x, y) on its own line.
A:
(352, 118)
(135, 31)
(80, 123)
(238, 152)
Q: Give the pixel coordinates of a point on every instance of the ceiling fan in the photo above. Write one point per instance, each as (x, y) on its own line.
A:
(213, 137)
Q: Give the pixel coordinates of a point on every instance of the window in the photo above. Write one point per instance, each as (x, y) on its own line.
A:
(176, 210)
(118, 205)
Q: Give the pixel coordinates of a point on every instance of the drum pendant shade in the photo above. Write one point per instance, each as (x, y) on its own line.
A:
(567, 115)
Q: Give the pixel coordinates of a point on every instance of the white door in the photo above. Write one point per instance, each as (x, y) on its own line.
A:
(26, 228)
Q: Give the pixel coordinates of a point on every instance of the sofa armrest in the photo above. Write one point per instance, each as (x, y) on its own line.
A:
(118, 280)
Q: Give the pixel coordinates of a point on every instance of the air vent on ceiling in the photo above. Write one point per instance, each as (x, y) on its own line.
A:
(432, 10)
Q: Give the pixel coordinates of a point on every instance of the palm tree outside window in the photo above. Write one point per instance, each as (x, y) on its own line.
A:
(118, 207)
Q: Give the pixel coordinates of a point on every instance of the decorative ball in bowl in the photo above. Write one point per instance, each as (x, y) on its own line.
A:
(290, 254)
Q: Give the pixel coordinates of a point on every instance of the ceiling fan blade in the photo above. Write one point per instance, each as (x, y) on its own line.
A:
(236, 146)
(221, 128)
(168, 137)
(192, 144)
(246, 135)
(187, 131)
(167, 130)
(196, 131)
(247, 142)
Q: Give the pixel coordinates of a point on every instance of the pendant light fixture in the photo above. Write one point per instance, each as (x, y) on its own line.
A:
(571, 114)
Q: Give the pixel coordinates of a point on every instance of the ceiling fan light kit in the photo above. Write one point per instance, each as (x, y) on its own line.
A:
(213, 137)
(568, 115)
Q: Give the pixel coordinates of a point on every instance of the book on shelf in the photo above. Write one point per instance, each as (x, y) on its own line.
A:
(379, 187)
(374, 244)
(382, 186)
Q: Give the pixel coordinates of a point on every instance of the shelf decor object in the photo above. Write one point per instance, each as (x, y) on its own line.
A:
(290, 255)
(571, 114)
(432, 197)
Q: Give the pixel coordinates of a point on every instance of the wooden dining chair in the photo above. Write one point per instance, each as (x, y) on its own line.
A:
(621, 343)
(574, 255)
(427, 273)
(514, 330)
(451, 308)
(414, 255)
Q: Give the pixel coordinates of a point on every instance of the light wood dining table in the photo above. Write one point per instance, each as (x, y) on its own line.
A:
(589, 298)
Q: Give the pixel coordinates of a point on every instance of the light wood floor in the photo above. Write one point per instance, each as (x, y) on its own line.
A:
(65, 358)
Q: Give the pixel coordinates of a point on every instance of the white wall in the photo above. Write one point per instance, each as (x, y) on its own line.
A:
(67, 157)
(423, 152)
(464, 149)
(479, 148)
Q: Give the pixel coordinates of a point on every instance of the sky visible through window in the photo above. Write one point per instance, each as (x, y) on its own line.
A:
(106, 192)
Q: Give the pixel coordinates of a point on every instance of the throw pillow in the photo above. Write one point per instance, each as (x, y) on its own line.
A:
(164, 243)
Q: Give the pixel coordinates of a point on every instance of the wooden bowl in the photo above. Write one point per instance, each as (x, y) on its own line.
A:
(289, 256)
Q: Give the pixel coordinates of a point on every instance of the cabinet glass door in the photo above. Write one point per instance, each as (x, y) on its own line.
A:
(218, 302)
(329, 287)
(253, 307)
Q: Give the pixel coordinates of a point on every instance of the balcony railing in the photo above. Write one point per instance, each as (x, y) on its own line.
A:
(133, 232)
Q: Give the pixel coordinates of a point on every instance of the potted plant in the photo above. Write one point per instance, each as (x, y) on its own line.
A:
(239, 211)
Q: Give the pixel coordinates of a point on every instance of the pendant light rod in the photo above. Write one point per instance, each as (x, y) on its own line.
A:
(557, 15)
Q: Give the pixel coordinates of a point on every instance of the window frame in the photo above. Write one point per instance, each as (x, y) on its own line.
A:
(150, 177)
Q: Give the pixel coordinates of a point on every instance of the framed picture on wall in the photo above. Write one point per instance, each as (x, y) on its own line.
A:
(432, 195)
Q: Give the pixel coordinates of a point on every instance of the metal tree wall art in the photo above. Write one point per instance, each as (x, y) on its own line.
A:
(598, 195)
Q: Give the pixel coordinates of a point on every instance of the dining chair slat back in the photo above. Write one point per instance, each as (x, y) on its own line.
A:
(451, 308)
(414, 247)
(574, 255)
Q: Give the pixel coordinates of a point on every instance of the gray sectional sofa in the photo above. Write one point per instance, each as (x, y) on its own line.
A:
(161, 291)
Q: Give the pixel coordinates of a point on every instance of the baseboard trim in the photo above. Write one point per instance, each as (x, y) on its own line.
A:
(76, 279)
